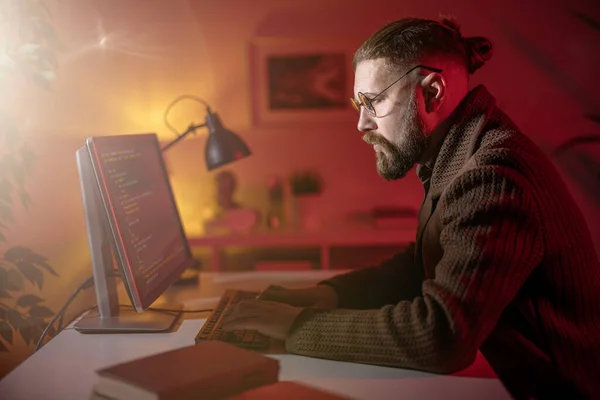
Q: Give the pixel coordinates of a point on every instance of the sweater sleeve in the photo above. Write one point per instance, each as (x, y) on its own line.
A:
(491, 239)
(393, 280)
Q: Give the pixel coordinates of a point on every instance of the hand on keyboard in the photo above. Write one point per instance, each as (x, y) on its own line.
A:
(268, 318)
(321, 296)
(213, 330)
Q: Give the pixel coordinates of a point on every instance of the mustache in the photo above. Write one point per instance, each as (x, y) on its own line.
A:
(373, 138)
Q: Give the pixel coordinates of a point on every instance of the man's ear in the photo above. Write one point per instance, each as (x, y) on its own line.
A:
(434, 91)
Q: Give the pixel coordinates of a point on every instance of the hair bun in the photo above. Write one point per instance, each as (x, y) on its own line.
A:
(479, 50)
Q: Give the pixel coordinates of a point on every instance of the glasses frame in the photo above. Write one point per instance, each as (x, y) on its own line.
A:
(367, 103)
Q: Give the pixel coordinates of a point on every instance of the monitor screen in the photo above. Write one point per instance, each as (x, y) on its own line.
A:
(148, 238)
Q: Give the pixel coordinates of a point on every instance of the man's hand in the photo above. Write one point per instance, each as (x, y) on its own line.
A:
(267, 317)
(321, 296)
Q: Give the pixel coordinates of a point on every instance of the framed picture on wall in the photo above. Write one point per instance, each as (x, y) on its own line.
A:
(301, 80)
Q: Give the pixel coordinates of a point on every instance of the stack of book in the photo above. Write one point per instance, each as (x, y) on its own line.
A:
(211, 370)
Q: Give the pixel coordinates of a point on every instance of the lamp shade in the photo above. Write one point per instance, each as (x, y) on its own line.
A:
(222, 146)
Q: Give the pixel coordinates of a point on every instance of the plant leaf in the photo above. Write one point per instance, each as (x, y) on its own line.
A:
(16, 253)
(25, 199)
(29, 51)
(18, 173)
(29, 256)
(36, 332)
(13, 136)
(43, 79)
(31, 273)
(15, 280)
(28, 300)
(14, 318)
(6, 331)
(6, 214)
(40, 312)
(26, 334)
(5, 191)
(4, 285)
(27, 157)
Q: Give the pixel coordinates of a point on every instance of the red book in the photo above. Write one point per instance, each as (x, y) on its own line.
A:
(287, 390)
(207, 370)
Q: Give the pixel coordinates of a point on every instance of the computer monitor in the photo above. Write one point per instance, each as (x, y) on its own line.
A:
(133, 224)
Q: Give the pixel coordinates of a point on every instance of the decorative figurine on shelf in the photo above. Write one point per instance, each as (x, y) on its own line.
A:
(231, 216)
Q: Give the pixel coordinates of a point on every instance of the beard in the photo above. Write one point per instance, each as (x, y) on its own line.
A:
(397, 157)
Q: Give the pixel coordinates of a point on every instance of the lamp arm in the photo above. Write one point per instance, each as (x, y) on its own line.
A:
(191, 128)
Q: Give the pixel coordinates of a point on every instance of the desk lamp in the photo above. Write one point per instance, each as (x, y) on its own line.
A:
(222, 147)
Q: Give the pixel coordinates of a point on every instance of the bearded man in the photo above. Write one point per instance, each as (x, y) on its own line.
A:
(502, 263)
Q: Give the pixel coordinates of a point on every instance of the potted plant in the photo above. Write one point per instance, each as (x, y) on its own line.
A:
(27, 43)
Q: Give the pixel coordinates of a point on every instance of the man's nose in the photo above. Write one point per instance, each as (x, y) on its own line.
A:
(366, 122)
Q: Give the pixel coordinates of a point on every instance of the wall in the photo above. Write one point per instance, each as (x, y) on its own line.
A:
(124, 61)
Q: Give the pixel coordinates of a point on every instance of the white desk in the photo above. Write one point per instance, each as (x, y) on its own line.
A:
(64, 368)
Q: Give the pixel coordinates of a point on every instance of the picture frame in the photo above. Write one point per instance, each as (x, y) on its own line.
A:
(301, 80)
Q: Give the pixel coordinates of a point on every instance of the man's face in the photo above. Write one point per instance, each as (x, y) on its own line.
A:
(397, 133)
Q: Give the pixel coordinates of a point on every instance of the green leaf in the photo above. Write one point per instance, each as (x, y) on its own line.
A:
(36, 332)
(43, 79)
(48, 268)
(16, 253)
(7, 162)
(22, 254)
(13, 136)
(27, 157)
(40, 312)
(28, 300)
(26, 334)
(15, 280)
(31, 273)
(18, 173)
(4, 285)
(6, 331)
(25, 199)
(40, 261)
(29, 50)
(14, 318)
(5, 191)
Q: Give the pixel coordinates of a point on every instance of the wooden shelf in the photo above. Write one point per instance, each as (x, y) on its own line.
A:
(325, 239)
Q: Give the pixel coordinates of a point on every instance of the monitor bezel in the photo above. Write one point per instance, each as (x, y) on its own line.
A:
(140, 302)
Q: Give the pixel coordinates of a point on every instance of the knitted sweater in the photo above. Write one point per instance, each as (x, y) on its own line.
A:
(503, 263)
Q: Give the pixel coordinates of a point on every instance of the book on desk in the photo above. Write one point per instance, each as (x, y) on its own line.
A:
(211, 370)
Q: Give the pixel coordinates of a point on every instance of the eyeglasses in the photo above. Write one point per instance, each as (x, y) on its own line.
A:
(367, 103)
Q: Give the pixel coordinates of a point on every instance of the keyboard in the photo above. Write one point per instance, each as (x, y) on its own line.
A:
(212, 330)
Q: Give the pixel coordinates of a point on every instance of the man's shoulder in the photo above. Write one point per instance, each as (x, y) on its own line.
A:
(503, 144)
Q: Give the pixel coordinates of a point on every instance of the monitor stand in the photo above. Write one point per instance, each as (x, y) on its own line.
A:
(108, 317)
